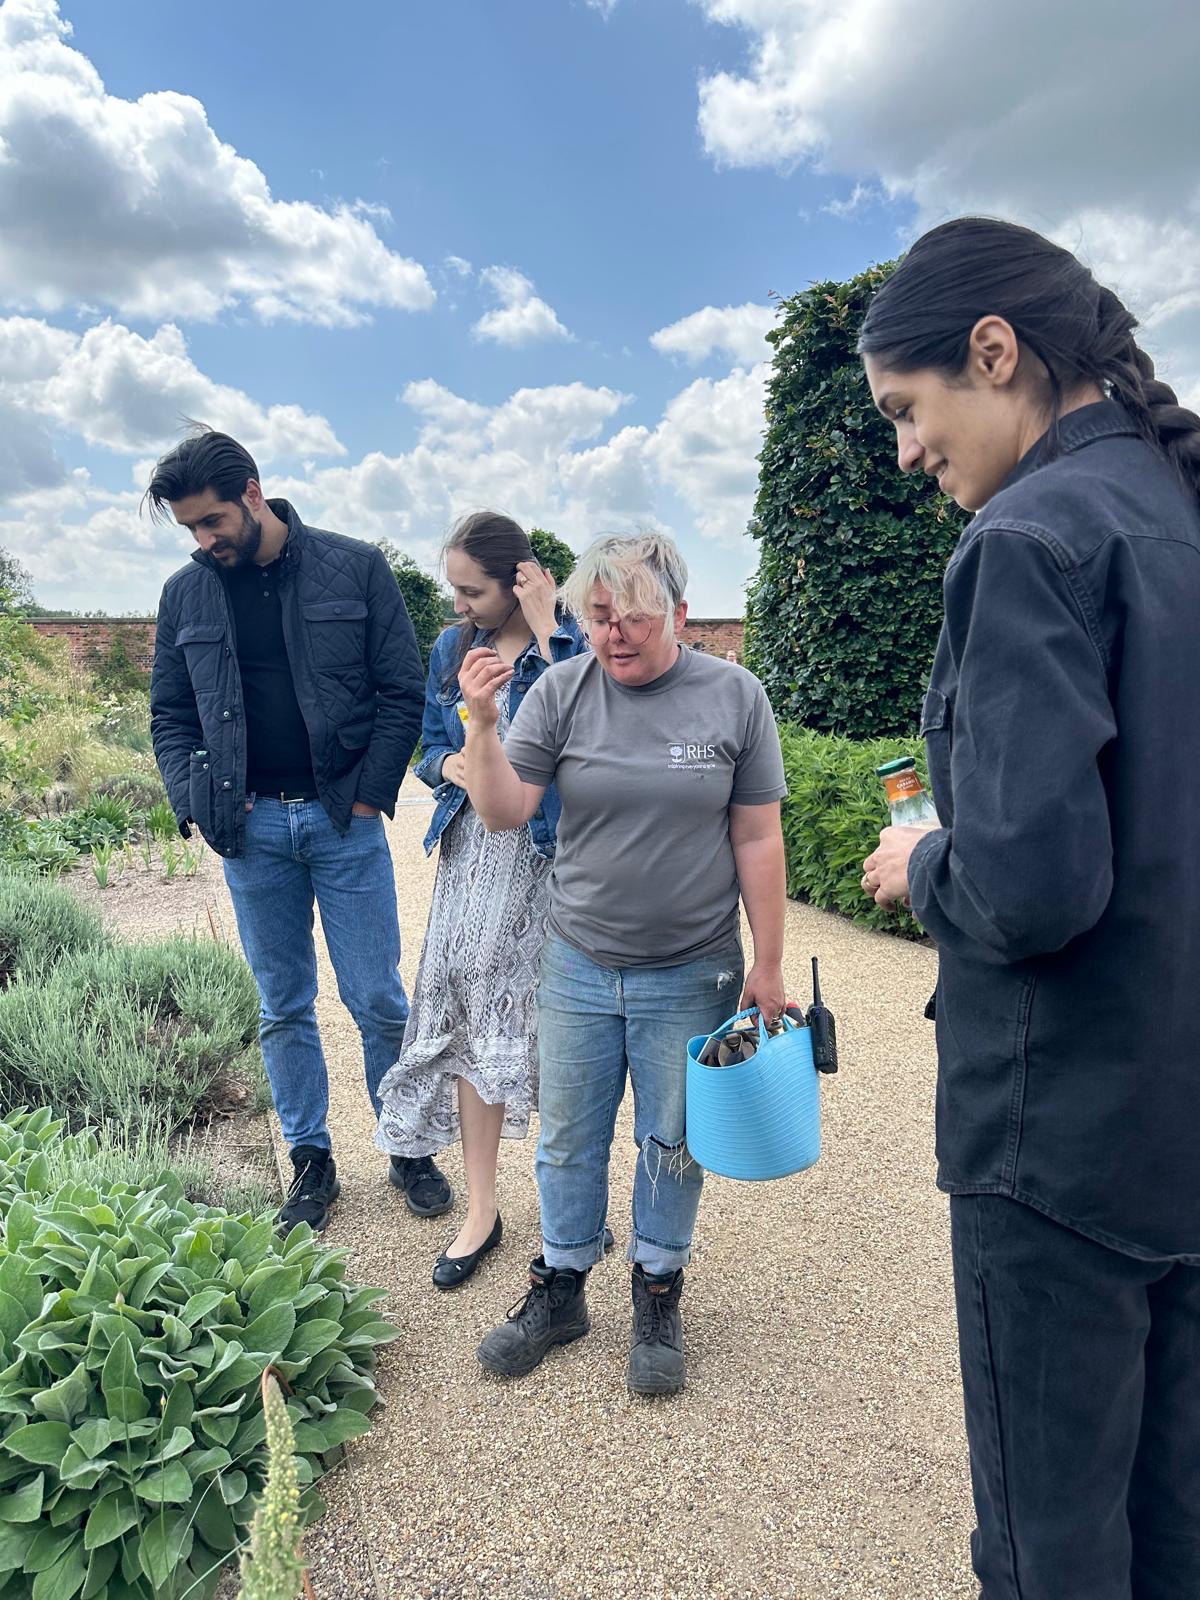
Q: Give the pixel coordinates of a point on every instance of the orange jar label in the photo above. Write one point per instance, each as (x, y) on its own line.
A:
(902, 785)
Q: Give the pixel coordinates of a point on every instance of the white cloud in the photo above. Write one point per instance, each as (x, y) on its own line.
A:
(1090, 134)
(521, 318)
(738, 332)
(116, 389)
(705, 449)
(861, 198)
(460, 267)
(545, 455)
(28, 459)
(139, 205)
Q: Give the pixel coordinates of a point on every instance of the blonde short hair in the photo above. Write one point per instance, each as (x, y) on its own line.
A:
(644, 573)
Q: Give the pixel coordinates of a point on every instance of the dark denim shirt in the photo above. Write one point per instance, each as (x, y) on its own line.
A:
(442, 732)
(1063, 730)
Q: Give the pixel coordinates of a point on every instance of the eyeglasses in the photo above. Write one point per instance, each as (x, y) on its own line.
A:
(634, 630)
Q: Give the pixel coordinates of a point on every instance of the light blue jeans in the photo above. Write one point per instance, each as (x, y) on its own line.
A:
(597, 1025)
(294, 855)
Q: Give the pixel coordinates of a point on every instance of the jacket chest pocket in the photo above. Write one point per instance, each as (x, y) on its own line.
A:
(337, 632)
(937, 730)
(203, 646)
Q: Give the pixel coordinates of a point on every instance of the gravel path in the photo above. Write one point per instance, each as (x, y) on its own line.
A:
(818, 1449)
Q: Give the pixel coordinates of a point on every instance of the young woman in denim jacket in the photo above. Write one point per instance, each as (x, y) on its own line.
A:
(468, 1066)
(1063, 891)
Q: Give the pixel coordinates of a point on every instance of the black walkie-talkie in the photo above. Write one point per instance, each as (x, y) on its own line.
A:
(824, 1030)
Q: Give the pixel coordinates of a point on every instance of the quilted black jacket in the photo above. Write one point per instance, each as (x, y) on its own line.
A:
(355, 665)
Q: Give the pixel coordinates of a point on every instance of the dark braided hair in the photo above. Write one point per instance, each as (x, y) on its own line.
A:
(1077, 329)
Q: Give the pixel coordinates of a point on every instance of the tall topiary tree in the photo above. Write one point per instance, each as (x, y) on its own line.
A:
(424, 597)
(552, 553)
(843, 613)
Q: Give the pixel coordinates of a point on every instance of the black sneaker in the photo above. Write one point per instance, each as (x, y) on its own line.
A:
(553, 1312)
(313, 1190)
(656, 1346)
(426, 1191)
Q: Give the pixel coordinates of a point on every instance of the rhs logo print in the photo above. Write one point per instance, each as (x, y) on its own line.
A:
(699, 757)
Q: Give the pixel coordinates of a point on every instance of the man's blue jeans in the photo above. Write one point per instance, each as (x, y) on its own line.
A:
(595, 1026)
(294, 854)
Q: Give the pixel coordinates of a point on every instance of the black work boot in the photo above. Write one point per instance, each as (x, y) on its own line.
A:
(426, 1190)
(656, 1346)
(553, 1312)
(313, 1189)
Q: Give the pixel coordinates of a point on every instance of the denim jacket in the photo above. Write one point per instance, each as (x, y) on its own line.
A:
(442, 732)
(1062, 725)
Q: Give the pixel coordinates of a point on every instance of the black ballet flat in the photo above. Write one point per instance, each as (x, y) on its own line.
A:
(450, 1271)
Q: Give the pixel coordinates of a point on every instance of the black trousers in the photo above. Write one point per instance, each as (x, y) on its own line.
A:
(1081, 1377)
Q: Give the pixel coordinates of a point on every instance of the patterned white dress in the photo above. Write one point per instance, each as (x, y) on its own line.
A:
(473, 1008)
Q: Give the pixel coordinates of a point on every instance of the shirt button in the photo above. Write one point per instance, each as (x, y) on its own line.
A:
(225, 715)
(337, 611)
(227, 784)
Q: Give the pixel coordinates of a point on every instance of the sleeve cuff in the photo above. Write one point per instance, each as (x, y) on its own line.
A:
(528, 774)
(759, 797)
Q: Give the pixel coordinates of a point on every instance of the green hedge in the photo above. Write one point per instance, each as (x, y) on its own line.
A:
(832, 818)
(843, 614)
(134, 1331)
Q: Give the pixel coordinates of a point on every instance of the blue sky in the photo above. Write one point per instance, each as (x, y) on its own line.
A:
(425, 257)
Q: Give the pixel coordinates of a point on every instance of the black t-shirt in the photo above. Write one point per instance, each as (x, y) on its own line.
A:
(278, 757)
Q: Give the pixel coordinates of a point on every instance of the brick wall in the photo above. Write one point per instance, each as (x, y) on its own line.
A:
(88, 637)
(716, 634)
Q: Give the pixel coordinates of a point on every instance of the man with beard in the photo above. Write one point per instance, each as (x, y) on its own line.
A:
(285, 703)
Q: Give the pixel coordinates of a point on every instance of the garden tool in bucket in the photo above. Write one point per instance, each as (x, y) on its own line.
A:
(753, 1106)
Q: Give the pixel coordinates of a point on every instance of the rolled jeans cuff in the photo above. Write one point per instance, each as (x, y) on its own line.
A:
(659, 1260)
(577, 1257)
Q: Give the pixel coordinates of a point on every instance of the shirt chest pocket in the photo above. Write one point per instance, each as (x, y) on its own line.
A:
(337, 633)
(203, 646)
(937, 730)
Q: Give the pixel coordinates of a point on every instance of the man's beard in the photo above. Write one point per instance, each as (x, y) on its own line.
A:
(248, 541)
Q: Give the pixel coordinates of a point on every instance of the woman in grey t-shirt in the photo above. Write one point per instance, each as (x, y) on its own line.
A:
(669, 772)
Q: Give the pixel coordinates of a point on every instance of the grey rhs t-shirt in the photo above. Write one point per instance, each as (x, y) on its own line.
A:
(644, 873)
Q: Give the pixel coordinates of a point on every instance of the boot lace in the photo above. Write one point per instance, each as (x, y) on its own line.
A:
(534, 1303)
(307, 1180)
(650, 1319)
(655, 1315)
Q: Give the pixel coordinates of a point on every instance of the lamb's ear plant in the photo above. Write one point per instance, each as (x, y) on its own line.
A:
(134, 1331)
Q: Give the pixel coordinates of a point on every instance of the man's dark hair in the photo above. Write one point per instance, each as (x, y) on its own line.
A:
(204, 460)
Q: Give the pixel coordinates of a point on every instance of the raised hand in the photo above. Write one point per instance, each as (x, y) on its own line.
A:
(480, 675)
(536, 592)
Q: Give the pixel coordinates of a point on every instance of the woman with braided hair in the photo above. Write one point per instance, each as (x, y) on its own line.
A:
(1063, 891)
